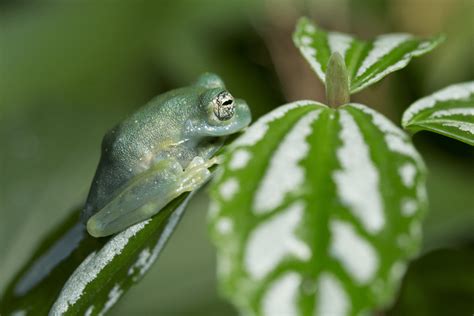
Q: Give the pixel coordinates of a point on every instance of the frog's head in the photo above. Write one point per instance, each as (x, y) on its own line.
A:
(220, 113)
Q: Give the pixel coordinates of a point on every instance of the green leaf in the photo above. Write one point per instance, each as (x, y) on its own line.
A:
(449, 112)
(367, 61)
(316, 211)
(73, 273)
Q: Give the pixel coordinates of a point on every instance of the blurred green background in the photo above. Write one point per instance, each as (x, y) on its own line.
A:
(70, 70)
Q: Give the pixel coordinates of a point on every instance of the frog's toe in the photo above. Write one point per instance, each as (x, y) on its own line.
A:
(94, 228)
(193, 179)
(196, 162)
(199, 163)
(216, 160)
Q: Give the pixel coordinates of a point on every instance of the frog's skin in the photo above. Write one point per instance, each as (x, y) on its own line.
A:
(161, 151)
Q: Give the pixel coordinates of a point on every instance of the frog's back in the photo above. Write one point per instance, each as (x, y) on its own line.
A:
(136, 143)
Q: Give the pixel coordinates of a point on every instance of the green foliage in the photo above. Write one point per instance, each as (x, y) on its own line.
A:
(73, 273)
(448, 112)
(367, 61)
(317, 202)
(316, 210)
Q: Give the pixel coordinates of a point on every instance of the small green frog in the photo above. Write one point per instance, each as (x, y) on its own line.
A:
(161, 151)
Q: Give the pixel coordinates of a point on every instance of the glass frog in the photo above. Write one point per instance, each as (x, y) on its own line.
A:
(161, 151)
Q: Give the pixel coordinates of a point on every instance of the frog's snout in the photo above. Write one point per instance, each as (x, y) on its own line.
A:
(242, 113)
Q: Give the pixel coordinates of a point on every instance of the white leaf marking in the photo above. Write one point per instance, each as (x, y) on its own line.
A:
(358, 181)
(379, 120)
(89, 311)
(281, 297)
(310, 54)
(142, 261)
(225, 225)
(229, 188)
(240, 159)
(383, 45)
(407, 173)
(452, 112)
(409, 207)
(396, 139)
(146, 259)
(255, 133)
(379, 75)
(270, 242)
(339, 42)
(401, 146)
(114, 296)
(355, 254)
(397, 271)
(306, 40)
(463, 126)
(91, 267)
(331, 299)
(284, 174)
(310, 28)
(460, 91)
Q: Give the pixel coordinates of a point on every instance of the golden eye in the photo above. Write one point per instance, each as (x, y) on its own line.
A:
(223, 106)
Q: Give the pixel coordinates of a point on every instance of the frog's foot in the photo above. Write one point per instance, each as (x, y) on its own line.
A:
(148, 193)
(197, 173)
(199, 162)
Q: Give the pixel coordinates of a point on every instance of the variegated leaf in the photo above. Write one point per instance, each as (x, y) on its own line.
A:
(367, 61)
(449, 112)
(316, 211)
(73, 273)
(105, 275)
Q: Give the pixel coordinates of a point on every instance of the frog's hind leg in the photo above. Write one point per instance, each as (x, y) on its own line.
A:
(147, 194)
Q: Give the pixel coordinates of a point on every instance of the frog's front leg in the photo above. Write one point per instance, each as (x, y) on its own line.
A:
(148, 193)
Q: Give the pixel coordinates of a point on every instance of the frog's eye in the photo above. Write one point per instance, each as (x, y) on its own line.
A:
(223, 106)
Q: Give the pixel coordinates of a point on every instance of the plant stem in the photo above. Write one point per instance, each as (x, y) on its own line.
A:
(337, 81)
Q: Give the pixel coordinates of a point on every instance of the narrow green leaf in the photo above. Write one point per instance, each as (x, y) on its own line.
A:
(73, 273)
(35, 287)
(449, 112)
(367, 61)
(317, 211)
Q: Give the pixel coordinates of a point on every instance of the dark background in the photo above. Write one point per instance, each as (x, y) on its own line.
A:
(70, 70)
